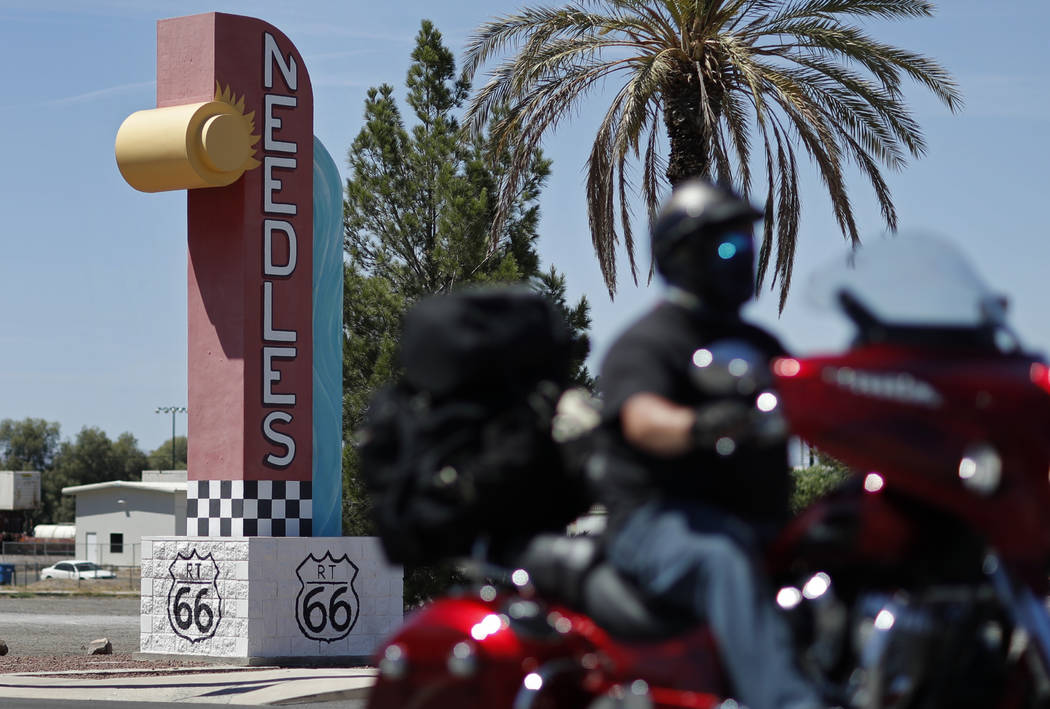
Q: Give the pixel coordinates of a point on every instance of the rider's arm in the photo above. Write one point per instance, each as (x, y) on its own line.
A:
(657, 425)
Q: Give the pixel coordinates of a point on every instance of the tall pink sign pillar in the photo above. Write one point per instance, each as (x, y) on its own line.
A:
(263, 571)
(250, 285)
(235, 116)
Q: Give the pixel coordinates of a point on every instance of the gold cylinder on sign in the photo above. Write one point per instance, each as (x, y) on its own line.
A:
(184, 147)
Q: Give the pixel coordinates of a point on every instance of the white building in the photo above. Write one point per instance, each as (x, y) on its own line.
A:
(19, 489)
(113, 517)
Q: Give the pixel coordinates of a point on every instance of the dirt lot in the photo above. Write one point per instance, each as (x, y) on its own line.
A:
(107, 664)
(52, 633)
(85, 587)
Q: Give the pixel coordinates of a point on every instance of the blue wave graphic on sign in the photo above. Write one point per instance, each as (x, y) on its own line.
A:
(328, 355)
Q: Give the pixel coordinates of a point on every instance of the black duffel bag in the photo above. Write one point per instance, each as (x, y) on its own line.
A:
(460, 447)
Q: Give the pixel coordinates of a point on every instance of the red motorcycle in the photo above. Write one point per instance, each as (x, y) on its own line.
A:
(921, 582)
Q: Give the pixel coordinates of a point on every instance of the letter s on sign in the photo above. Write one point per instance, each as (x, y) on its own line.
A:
(278, 438)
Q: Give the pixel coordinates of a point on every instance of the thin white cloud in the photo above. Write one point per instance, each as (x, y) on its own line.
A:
(60, 10)
(336, 30)
(99, 93)
(339, 55)
(341, 81)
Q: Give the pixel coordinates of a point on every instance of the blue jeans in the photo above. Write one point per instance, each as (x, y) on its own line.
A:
(701, 560)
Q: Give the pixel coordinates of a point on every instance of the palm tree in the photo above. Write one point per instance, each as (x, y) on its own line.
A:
(724, 77)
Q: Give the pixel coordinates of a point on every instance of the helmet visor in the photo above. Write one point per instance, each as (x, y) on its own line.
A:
(730, 273)
(735, 247)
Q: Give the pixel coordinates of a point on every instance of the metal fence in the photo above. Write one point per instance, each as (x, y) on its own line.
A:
(104, 554)
(27, 575)
(65, 548)
(22, 564)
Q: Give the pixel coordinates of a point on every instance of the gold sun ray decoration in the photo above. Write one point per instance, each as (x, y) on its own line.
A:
(248, 135)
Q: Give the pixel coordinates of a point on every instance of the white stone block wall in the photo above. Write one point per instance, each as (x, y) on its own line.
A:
(259, 597)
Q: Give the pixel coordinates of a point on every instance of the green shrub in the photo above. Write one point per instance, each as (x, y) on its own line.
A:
(814, 482)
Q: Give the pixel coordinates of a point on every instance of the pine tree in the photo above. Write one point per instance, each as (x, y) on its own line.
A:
(417, 218)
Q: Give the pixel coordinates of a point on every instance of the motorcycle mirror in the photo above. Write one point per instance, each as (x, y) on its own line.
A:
(994, 308)
(730, 367)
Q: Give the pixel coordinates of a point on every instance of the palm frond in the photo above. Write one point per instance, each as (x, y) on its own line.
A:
(883, 60)
(625, 218)
(619, 134)
(768, 220)
(654, 165)
(649, 15)
(497, 34)
(789, 210)
(817, 136)
(517, 77)
(868, 110)
(883, 9)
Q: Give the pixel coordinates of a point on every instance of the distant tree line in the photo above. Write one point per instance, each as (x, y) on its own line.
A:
(90, 457)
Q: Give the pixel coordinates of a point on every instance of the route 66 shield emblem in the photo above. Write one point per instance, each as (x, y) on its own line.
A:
(327, 605)
(194, 604)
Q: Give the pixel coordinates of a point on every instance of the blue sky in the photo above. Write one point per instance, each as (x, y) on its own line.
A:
(93, 274)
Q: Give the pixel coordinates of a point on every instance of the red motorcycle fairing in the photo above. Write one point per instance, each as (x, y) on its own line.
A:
(848, 528)
(910, 417)
(418, 673)
(468, 652)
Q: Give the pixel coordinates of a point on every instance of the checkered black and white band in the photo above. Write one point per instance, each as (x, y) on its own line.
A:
(249, 508)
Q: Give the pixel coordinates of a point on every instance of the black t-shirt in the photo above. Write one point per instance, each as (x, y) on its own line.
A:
(654, 356)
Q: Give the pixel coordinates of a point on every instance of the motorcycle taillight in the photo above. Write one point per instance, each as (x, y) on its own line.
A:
(1040, 375)
(786, 366)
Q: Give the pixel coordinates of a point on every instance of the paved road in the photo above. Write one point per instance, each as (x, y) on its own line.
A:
(78, 704)
(54, 625)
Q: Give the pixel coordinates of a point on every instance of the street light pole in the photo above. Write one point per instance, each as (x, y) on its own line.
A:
(172, 410)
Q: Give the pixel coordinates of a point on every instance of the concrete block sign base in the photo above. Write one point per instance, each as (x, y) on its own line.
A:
(257, 600)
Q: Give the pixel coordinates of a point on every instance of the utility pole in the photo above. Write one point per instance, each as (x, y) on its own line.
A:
(172, 410)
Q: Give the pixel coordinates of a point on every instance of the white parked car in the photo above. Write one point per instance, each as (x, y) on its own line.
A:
(76, 569)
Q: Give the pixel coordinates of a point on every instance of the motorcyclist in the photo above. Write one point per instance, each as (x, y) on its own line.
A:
(686, 520)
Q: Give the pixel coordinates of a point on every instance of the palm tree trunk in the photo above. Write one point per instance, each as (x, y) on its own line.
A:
(683, 118)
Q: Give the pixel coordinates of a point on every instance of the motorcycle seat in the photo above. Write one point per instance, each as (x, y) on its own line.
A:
(573, 570)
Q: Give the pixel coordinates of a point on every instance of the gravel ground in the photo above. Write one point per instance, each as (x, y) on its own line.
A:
(52, 633)
(66, 625)
(49, 634)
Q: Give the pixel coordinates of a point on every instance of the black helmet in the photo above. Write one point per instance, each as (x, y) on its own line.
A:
(703, 243)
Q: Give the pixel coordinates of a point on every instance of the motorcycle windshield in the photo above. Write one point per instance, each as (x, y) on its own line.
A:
(912, 281)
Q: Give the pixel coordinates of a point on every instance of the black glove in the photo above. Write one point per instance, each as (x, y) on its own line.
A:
(724, 424)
